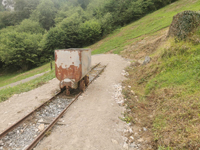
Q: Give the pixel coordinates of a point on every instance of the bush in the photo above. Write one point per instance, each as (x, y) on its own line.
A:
(90, 32)
(54, 39)
(70, 33)
(29, 26)
(68, 11)
(7, 19)
(44, 14)
(65, 35)
(107, 24)
(20, 50)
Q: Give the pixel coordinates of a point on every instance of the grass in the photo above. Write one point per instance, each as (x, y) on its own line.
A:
(178, 83)
(6, 79)
(168, 88)
(8, 92)
(148, 25)
(180, 67)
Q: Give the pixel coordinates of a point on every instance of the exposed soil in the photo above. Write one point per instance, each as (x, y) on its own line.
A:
(145, 47)
(91, 123)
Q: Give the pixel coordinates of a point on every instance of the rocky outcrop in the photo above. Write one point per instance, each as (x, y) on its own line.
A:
(184, 24)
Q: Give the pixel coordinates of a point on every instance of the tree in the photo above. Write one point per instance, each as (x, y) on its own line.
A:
(68, 11)
(83, 3)
(1, 6)
(20, 50)
(45, 14)
(24, 8)
(65, 35)
(7, 18)
(55, 38)
(90, 32)
(29, 26)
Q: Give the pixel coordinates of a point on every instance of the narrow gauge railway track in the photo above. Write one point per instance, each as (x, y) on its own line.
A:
(26, 133)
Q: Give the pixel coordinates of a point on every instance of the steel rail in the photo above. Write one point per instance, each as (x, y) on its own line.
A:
(5, 132)
(24, 118)
(42, 134)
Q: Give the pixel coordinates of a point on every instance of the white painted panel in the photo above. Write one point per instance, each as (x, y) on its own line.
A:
(86, 61)
(67, 58)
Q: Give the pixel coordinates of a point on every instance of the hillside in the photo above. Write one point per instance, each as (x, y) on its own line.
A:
(35, 28)
(161, 96)
(164, 94)
(147, 26)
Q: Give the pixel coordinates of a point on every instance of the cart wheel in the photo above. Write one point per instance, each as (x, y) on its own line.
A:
(67, 91)
(86, 78)
(82, 85)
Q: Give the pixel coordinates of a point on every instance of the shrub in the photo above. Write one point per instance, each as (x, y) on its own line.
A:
(90, 32)
(20, 50)
(29, 26)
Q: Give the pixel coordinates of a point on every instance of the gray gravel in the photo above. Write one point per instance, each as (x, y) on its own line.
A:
(30, 129)
(24, 134)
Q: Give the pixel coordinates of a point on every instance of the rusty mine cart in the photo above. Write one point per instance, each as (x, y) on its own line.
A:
(71, 67)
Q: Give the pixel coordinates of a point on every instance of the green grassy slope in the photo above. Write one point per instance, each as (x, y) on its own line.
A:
(6, 79)
(175, 88)
(168, 87)
(147, 25)
(11, 78)
(8, 92)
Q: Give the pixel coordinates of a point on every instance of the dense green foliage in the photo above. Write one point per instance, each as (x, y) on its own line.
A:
(180, 65)
(29, 26)
(20, 49)
(45, 14)
(1, 6)
(35, 28)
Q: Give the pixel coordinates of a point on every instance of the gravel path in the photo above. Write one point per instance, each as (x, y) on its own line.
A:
(26, 132)
(23, 81)
(91, 123)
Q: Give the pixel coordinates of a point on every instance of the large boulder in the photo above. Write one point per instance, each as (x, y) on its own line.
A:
(184, 24)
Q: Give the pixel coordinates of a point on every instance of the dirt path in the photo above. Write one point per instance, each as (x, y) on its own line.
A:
(23, 81)
(91, 123)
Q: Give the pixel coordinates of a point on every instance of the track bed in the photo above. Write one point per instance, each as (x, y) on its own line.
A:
(27, 132)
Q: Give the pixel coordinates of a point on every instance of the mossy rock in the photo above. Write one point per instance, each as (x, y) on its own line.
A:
(184, 24)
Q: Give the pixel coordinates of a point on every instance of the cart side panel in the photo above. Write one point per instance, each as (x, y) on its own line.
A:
(68, 65)
(86, 61)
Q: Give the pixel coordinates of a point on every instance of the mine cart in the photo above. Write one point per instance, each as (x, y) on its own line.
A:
(72, 67)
